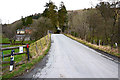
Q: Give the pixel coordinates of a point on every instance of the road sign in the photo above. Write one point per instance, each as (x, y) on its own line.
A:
(20, 49)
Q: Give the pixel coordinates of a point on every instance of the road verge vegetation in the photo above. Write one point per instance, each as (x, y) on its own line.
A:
(107, 49)
(37, 50)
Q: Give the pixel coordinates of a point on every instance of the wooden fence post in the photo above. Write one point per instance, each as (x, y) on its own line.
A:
(45, 40)
(99, 42)
(48, 35)
(36, 48)
(28, 52)
(41, 44)
(3, 55)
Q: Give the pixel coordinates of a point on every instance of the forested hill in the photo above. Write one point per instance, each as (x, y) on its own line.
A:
(99, 24)
(50, 19)
(95, 24)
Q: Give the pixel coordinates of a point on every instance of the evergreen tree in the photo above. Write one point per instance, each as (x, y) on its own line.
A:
(23, 21)
(29, 20)
(62, 16)
(51, 12)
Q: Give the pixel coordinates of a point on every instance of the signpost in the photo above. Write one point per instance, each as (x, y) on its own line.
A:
(12, 60)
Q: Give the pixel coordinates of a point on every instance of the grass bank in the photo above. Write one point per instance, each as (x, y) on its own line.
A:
(35, 58)
(106, 49)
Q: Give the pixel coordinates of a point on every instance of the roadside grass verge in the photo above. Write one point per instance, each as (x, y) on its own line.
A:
(33, 60)
(41, 44)
(107, 49)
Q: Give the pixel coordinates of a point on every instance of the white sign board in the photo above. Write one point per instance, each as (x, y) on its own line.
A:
(20, 49)
(116, 44)
(11, 67)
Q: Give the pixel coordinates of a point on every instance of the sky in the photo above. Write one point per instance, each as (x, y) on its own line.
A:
(12, 10)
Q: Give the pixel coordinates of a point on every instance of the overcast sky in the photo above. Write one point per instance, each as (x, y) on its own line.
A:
(12, 10)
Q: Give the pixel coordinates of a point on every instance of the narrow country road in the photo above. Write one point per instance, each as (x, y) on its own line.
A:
(70, 59)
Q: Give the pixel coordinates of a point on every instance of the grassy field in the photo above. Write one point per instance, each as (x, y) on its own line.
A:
(107, 49)
(35, 58)
(6, 40)
(25, 42)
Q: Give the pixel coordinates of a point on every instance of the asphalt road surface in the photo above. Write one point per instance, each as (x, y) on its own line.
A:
(70, 59)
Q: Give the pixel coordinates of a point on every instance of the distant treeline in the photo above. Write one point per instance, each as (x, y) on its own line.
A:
(51, 18)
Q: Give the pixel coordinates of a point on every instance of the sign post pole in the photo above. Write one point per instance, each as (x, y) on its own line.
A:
(12, 60)
(28, 52)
